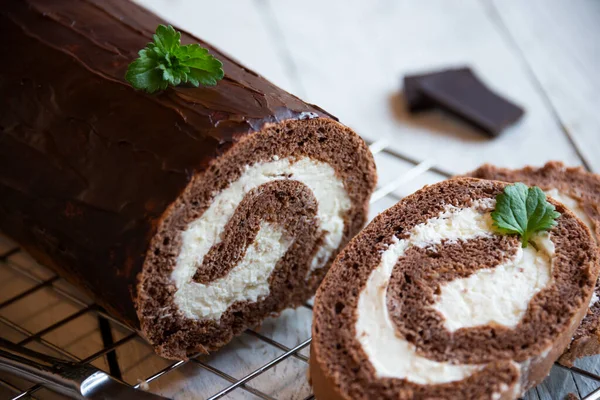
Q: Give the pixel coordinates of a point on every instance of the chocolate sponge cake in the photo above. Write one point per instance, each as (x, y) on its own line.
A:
(579, 190)
(190, 214)
(429, 302)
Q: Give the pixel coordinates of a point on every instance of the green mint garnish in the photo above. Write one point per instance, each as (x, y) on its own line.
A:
(165, 62)
(523, 210)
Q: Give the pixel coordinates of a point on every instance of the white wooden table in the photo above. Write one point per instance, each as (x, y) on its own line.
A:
(348, 56)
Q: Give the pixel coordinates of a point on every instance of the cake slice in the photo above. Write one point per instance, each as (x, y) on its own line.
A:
(429, 301)
(579, 190)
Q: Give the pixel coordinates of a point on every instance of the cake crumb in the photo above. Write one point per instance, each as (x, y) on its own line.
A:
(143, 385)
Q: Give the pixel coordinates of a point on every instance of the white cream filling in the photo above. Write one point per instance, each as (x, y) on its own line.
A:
(390, 354)
(500, 295)
(573, 205)
(593, 300)
(248, 280)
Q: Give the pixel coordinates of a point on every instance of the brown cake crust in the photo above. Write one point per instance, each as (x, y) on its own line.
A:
(585, 188)
(318, 139)
(98, 179)
(339, 367)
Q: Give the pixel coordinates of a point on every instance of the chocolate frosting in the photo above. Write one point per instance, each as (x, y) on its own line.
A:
(88, 165)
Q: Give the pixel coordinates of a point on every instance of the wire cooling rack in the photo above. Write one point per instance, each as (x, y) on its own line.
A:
(54, 336)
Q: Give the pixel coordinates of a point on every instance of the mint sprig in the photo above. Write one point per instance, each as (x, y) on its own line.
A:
(165, 62)
(523, 210)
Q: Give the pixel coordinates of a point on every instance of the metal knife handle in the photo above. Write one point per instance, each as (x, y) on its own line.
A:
(64, 376)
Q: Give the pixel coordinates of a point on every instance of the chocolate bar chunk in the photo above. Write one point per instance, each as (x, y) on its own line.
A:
(415, 98)
(462, 93)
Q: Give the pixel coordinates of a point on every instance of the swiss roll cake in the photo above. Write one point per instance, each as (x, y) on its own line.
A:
(190, 214)
(579, 190)
(433, 300)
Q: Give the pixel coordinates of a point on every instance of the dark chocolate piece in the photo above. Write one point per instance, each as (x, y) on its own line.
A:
(462, 93)
(416, 100)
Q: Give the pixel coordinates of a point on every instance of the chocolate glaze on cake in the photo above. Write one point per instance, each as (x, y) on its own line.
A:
(582, 189)
(447, 357)
(101, 182)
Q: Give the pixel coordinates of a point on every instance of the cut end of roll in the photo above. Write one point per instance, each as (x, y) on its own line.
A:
(429, 301)
(254, 234)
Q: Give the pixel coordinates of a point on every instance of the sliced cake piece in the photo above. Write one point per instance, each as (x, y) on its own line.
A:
(430, 302)
(579, 190)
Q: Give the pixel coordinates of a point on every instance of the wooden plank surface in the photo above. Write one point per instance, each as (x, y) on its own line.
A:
(351, 55)
(348, 56)
(560, 43)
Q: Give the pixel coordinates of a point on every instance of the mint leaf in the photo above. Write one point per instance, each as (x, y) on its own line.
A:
(165, 62)
(144, 73)
(523, 210)
(204, 69)
(167, 38)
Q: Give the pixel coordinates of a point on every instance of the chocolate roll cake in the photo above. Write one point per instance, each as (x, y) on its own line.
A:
(430, 302)
(579, 190)
(190, 214)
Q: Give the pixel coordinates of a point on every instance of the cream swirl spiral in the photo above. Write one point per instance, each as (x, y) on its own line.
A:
(429, 301)
(254, 233)
(248, 280)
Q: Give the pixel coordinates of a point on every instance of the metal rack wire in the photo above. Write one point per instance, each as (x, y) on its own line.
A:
(110, 346)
